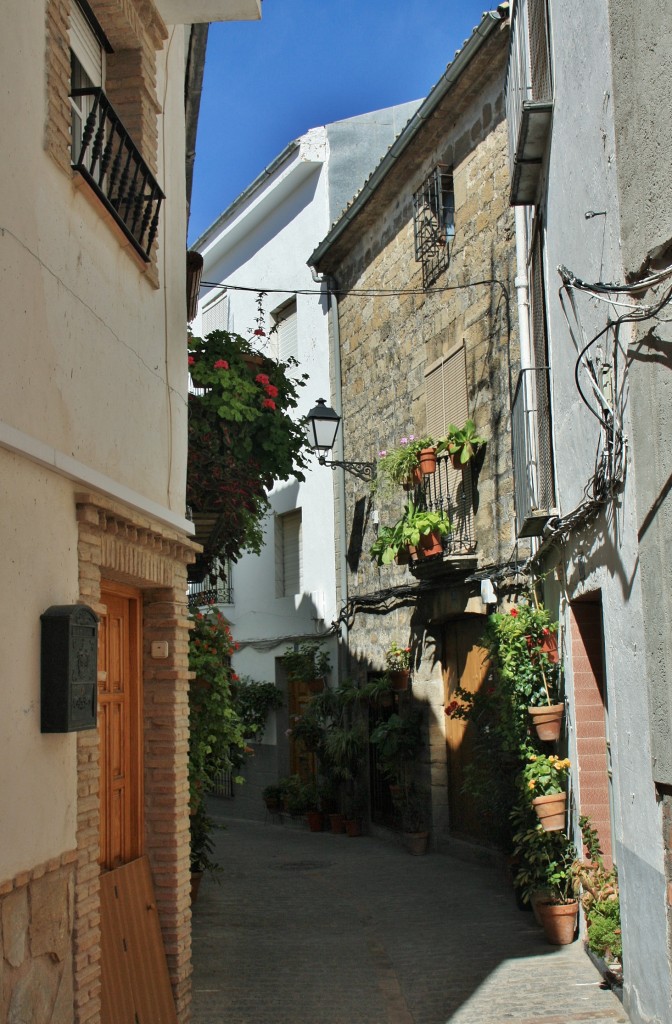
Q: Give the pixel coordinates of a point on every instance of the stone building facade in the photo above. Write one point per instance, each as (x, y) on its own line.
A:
(401, 321)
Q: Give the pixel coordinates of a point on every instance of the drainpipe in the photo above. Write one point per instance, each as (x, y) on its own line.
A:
(529, 383)
(335, 360)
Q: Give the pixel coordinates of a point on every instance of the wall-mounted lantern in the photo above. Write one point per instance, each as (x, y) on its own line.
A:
(323, 423)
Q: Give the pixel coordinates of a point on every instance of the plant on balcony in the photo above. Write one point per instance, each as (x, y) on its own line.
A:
(242, 437)
(401, 465)
(412, 530)
(253, 702)
(461, 443)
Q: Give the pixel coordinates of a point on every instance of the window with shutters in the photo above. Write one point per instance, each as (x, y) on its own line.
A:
(86, 133)
(286, 332)
(531, 413)
(215, 315)
(450, 489)
(446, 392)
(288, 558)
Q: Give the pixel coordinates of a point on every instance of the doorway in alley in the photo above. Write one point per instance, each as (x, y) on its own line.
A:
(465, 664)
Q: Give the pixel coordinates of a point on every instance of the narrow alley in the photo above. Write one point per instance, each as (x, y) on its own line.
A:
(315, 928)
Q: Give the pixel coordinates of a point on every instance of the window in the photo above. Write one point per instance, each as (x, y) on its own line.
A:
(285, 323)
(529, 98)
(446, 392)
(434, 223)
(216, 315)
(531, 415)
(288, 554)
(87, 72)
(102, 150)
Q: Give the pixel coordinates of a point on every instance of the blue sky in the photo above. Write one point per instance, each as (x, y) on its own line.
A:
(307, 63)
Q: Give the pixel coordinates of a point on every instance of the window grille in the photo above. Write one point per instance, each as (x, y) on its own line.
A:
(540, 53)
(434, 223)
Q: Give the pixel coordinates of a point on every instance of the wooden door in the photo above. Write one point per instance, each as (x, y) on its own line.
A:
(465, 664)
(301, 761)
(120, 726)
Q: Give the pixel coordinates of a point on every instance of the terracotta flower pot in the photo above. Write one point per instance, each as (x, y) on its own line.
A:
(427, 460)
(416, 842)
(414, 479)
(315, 821)
(455, 461)
(353, 827)
(337, 824)
(551, 811)
(430, 544)
(559, 921)
(549, 647)
(547, 720)
(399, 678)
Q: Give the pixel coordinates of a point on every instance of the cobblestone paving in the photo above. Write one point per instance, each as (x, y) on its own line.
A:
(309, 928)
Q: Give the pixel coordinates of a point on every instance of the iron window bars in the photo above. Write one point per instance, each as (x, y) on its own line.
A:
(434, 223)
(112, 165)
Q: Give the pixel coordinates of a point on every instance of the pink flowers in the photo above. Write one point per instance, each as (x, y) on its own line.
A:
(268, 403)
(191, 361)
(271, 390)
(221, 364)
(514, 612)
(260, 332)
(261, 378)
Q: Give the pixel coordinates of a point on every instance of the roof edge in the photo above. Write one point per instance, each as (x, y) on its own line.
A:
(487, 25)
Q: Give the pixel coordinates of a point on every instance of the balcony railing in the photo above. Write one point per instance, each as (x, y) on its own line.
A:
(199, 594)
(451, 491)
(532, 451)
(115, 170)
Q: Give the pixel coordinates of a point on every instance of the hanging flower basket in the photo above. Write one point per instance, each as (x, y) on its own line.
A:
(547, 721)
(399, 679)
(551, 811)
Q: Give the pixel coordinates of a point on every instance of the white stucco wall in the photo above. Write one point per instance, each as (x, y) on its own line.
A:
(581, 177)
(93, 388)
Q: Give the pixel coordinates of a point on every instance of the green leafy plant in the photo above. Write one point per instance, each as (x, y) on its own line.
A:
(416, 522)
(242, 437)
(202, 845)
(597, 888)
(398, 740)
(253, 702)
(307, 661)
(216, 736)
(397, 465)
(544, 859)
(462, 443)
(545, 774)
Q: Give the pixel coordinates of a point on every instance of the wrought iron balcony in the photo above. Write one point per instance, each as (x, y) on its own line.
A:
(112, 165)
(532, 452)
(450, 490)
(221, 592)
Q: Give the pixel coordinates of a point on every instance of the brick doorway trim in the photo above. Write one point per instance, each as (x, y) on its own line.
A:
(116, 543)
(591, 718)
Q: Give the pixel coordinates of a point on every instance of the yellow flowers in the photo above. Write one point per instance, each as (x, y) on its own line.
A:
(558, 763)
(531, 784)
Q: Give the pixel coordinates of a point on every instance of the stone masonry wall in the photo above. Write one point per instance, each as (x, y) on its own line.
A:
(388, 341)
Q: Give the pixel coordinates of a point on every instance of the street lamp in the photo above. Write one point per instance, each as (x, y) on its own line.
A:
(323, 422)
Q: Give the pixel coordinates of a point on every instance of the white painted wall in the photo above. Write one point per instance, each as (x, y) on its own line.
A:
(94, 379)
(581, 177)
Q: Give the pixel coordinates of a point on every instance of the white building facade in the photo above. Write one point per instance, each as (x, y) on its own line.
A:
(288, 593)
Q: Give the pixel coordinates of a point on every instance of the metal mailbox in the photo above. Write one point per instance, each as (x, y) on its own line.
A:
(69, 668)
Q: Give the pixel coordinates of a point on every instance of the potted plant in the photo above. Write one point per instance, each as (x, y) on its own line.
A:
(253, 702)
(398, 741)
(412, 804)
(596, 887)
(407, 463)
(242, 434)
(545, 777)
(525, 673)
(309, 663)
(399, 665)
(201, 849)
(418, 529)
(461, 443)
(272, 795)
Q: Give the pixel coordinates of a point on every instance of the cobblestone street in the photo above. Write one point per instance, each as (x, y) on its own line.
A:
(308, 928)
